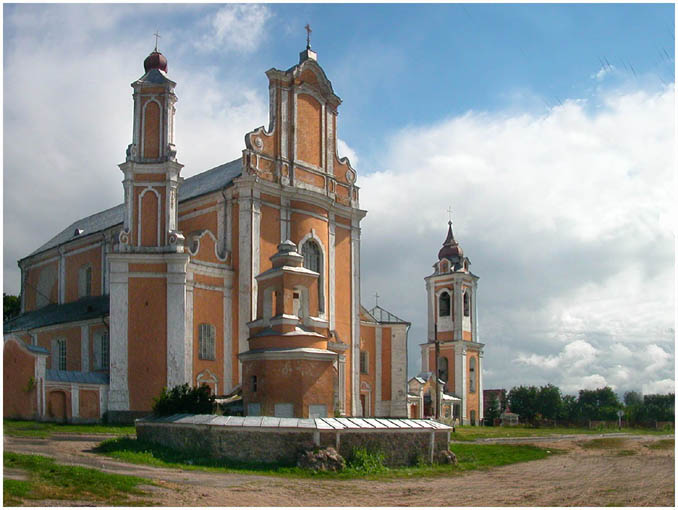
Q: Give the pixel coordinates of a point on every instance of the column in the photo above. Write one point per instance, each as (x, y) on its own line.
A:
(84, 348)
(118, 393)
(188, 329)
(177, 370)
(480, 388)
(458, 312)
(245, 275)
(330, 307)
(377, 377)
(228, 332)
(355, 317)
(474, 312)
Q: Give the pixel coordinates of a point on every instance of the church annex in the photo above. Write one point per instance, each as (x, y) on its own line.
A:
(243, 277)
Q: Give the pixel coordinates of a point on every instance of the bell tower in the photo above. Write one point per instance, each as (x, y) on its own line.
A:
(149, 347)
(452, 323)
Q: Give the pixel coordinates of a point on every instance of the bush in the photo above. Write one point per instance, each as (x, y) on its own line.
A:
(184, 400)
(366, 462)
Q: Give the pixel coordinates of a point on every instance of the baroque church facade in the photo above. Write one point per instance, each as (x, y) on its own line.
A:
(245, 277)
(451, 292)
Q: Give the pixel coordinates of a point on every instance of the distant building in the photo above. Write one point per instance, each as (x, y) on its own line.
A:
(490, 395)
(453, 322)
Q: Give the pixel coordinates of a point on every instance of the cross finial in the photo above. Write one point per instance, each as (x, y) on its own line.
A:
(449, 213)
(308, 36)
(157, 36)
(376, 299)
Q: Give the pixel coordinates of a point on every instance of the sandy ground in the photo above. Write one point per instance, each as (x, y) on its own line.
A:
(631, 475)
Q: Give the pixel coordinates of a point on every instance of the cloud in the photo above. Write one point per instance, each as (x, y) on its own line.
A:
(567, 218)
(343, 150)
(656, 358)
(659, 387)
(237, 27)
(603, 72)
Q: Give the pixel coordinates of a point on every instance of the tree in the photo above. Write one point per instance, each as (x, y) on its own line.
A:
(659, 407)
(493, 410)
(633, 398)
(633, 410)
(11, 306)
(184, 399)
(523, 401)
(549, 401)
(600, 404)
(569, 410)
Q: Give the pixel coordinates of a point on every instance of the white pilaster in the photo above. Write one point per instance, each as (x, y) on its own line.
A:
(118, 396)
(75, 401)
(355, 317)
(458, 312)
(332, 269)
(177, 371)
(228, 333)
(474, 312)
(245, 276)
(424, 358)
(84, 347)
(62, 277)
(480, 388)
(189, 328)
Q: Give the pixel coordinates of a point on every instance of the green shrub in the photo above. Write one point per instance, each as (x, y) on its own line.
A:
(184, 400)
(366, 462)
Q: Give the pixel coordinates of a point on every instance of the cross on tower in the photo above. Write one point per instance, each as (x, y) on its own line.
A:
(449, 213)
(157, 36)
(308, 36)
(376, 299)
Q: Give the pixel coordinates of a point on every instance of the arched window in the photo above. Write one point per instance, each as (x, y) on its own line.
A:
(444, 304)
(467, 304)
(472, 375)
(313, 260)
(206, 342)
(85, 281)
(443, 369)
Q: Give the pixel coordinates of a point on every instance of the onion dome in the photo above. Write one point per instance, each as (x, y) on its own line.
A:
(155, 60)
(451, 249)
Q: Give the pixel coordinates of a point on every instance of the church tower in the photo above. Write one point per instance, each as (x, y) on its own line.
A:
(148, 272)
(453, 323)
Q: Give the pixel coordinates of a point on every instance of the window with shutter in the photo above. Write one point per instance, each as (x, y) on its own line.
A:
(206, 347)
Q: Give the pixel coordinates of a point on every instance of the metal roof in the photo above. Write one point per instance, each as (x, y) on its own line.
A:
(298, 423)
(384, 316)
(83, 309)
(210, 180)
(71, 376)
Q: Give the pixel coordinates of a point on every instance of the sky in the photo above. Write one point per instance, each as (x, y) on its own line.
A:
(549, 131)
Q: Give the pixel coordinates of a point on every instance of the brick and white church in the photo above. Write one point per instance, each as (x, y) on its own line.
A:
(245, 277)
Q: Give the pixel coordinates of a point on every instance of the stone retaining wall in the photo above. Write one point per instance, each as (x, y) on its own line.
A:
(283, 445)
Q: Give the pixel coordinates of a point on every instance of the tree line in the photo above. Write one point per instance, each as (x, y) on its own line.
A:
(537, 405)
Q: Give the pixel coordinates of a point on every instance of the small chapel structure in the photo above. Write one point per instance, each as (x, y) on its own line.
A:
(245, 277)
(453, 331)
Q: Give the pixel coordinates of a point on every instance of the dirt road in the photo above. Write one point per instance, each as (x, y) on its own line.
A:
(629, 475)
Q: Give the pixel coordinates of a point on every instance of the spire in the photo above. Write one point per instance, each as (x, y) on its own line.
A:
(451, 249)
(308, 53)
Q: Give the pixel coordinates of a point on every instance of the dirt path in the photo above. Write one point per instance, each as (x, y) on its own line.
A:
(630, 475)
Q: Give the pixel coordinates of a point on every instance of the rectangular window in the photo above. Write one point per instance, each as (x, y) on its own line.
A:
(363, 362)
(317, 411)
(206, 342)
(283, 411)
(105, 350)
(61, 354)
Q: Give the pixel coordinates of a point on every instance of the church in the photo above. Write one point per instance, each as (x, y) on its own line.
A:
(245, 277)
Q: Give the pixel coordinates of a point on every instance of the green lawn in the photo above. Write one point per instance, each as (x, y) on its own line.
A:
(470, 456)
(45, 429)
(469, 433)
(48, 480)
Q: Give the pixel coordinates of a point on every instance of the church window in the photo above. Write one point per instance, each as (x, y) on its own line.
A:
(444, 304)
(467, 304)
(443, 369)
(105, 351)
(253, 383)
(61, 354)
(206, 342)
(85, 281)
(472, 375)
(363, 362)
(313, 260)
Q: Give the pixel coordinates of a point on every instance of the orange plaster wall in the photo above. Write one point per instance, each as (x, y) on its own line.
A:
(270, 236)
(309, 133)
(208, 308)
(471, 398)
(18, 368)
(343, 300)
(368, 343)
(147, 268)
(73, 346)
(207, 251)
(207, 221)
(467, 335)
(74, 263)
(89, 404)
(58, 404)
(149, 220)
(147, 340)
(152, 117)
(386, 363)
(449, 354)
(298, 382)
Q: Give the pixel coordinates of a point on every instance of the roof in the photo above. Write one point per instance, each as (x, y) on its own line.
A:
(384, 316)
(206, 182)
(323, 424)
(72, 376)
(83, 309)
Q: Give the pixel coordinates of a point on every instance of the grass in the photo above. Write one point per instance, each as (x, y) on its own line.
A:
(470, 433)
(604, 443)
(24, 428)
(470, 457)
(662, 444)
(49, 480)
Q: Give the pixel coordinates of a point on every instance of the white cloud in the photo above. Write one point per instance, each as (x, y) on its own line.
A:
(662, 387)
(343, 150)
(237, 27)
(655, 357)
(566, 218)
(603, 72)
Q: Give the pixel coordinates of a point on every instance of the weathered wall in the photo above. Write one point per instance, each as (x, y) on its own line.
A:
(19, 398)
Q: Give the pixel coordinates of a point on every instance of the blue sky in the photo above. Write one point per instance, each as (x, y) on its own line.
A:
(549, 129)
